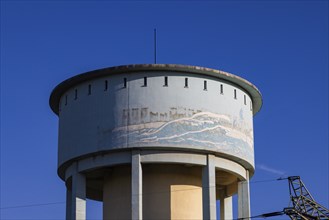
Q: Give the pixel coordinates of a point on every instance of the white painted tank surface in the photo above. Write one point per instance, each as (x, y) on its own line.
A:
(155, 108)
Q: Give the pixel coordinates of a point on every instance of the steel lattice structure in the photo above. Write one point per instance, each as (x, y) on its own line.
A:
(304, 205)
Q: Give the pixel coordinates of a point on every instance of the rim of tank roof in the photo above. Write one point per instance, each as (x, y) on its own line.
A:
(61, 88)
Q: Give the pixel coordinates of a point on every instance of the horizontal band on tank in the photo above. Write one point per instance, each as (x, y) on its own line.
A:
(109, 159)
(60, 89)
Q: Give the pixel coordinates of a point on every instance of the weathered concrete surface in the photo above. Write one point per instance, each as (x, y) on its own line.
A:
(156, 116)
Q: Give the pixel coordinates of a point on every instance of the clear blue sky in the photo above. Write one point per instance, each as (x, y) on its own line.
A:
(280, 46)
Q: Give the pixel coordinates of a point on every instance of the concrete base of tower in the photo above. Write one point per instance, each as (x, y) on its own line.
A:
(157, 185)
(169, 192)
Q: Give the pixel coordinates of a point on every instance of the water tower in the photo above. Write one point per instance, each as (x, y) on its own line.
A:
(156, 141)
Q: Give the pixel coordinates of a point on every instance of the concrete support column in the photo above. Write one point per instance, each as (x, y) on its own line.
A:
(244, 198)
(209, 189)
(136, 186)
(226, 209)
(68, 202)
(76, 198)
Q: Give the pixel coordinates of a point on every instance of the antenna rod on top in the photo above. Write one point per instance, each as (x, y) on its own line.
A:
(155, 45)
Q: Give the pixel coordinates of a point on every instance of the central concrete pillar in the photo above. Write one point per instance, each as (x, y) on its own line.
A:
(168, 192)
(172, 192)
(244, 198)
(117, 193)
(209, 189)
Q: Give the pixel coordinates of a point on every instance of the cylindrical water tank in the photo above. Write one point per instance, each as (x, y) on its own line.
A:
(161, 140)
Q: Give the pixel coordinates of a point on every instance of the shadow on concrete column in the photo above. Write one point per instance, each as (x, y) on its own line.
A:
(68, 200)
(244, 198)
(226, 209)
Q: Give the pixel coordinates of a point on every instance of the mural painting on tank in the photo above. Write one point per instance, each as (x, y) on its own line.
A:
(186, 128)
